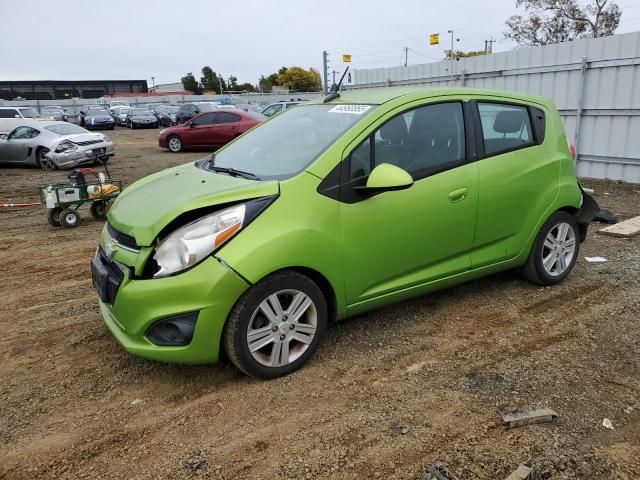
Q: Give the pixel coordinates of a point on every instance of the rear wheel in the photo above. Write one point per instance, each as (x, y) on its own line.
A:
(99, 209)
(276, 326)
(69, 218)
(175, 144)
(554, 250)
(53, 215)
(43, 162)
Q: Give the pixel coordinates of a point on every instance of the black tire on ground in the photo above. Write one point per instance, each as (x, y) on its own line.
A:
(42, 162)
(99, 209)
(53, 215)
(534, 270)
(234, 336)
(174, 143)
(69, 218)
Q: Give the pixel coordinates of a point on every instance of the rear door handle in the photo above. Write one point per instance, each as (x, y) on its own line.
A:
(458, 195)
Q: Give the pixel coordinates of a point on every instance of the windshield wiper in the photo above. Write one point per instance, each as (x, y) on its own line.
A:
(233, 172)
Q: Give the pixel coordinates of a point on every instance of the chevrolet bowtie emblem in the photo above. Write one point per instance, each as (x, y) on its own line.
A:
(109, 249)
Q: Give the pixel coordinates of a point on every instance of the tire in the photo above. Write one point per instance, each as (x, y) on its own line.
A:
(276, 334)
(552, 258)
(174, 143)
(99, 209)
(53, 215)
(42, 162)
(69, 218)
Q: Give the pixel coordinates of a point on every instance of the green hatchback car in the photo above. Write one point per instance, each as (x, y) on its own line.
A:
(331, 209)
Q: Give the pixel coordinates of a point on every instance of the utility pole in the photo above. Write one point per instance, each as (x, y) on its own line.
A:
(452, 54)
(406, 55)
(325, 70)
(153, 82)
(333, 84)
(488, 45)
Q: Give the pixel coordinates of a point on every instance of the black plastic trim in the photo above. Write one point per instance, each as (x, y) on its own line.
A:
(185, 323)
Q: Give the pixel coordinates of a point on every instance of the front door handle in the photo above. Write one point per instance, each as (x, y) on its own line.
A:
(458, 195)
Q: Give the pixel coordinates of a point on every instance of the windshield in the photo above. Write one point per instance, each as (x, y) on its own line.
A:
(66, 129)
(285, 145)
(143, 112)
(97, 111)
(52, 110)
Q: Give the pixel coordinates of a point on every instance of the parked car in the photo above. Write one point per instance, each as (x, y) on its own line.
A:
(55, 113)
(280, 106)
(189, 110)
(120, 115)
(332, 209)
(95, 118)
(51, 144)
(141, 118)
(211, 129)
(167, 115)
(11, 117)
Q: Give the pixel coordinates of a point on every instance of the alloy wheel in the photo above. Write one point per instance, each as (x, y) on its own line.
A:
(558, 249)
(282, 328)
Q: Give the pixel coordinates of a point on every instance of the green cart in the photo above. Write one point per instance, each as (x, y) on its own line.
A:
(64, 199)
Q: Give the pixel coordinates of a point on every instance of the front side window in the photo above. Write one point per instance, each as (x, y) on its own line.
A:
(288, 143)
(28, 112)
(204, 119)
(272, 110)
(422, 141)
(23, 133)
(504, 127)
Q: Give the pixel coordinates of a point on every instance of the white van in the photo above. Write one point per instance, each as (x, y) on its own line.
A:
(10, 117)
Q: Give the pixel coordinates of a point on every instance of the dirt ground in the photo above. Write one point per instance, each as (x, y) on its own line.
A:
(73, 404)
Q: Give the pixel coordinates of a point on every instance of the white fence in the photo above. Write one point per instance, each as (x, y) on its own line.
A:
(595, 83)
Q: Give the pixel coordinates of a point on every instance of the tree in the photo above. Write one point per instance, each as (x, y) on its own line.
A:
(297, 78)
(245, 87)
(190, 84)
(555, 21)
(211, 81)
(233, 83)
(268, 82)
(458, 54)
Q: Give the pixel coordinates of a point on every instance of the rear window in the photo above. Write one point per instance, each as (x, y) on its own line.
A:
(65, 129)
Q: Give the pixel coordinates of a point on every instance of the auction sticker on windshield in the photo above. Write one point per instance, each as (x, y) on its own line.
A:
(355, 109)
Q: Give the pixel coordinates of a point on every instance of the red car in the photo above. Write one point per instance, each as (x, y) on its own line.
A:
(210, 129)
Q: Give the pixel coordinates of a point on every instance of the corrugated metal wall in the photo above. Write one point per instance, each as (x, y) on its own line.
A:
(595, 83)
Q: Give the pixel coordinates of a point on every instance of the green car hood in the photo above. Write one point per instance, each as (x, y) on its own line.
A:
(147, 206)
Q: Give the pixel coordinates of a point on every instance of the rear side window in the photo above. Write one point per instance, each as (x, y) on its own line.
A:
(8, 113)
(226, 117)
(504, 127)
(204, 119)
(539, 124)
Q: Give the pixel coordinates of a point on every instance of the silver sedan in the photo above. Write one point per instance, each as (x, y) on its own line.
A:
(50, 144)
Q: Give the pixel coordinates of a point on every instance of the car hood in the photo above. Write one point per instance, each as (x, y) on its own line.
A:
(143, 117)
(99, 117)
(146, 207)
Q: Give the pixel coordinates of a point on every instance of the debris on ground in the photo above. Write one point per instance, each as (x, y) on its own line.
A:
(516, 419)
(523, 472)
(137, 401)
(628, 409)
(606, 423)
(401, 429)
(438, 471)
(626, 229)
(195, 461)
(595, 259)
(606, 216)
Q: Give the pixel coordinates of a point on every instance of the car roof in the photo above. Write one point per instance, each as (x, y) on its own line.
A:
(380, 95)
(6, 107)
(38, 122)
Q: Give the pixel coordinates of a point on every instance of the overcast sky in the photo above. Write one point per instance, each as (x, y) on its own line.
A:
(127, 39)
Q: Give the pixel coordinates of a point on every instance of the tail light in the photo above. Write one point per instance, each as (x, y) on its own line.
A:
(572, 149)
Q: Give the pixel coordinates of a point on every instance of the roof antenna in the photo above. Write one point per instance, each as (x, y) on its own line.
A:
(336, 91)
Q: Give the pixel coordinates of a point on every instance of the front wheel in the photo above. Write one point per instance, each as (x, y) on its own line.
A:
(175, 144)
(276, 326)
(554, 251)
(69, 218)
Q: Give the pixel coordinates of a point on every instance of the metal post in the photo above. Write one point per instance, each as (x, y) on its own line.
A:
(406, 55)
(451, 57)
(325, 72)
(583, 77)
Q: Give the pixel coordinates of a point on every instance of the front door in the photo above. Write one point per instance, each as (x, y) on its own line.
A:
(201, 131)
(399, 239)
(18, 146)
(226, 128)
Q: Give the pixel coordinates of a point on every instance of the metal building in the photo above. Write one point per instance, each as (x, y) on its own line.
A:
(67, 89)
(595, 83)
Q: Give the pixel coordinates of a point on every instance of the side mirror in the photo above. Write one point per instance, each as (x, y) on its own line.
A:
(4, 137)
(16, 116)
(191, 125)
(387, 177)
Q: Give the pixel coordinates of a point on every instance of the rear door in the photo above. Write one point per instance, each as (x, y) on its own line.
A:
(518, 177)
(226, 127)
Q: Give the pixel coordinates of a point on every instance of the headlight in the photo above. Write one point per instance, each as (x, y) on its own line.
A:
(66, 146)
(195, 241)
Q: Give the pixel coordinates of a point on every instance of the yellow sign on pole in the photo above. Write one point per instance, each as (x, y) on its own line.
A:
(346, 58)
(434, 39)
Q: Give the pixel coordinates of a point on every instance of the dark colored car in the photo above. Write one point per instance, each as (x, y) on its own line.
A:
(97, 118)
(210, 129)
(54, 113)
(188, 111)
(167, 115)
(141, 118)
